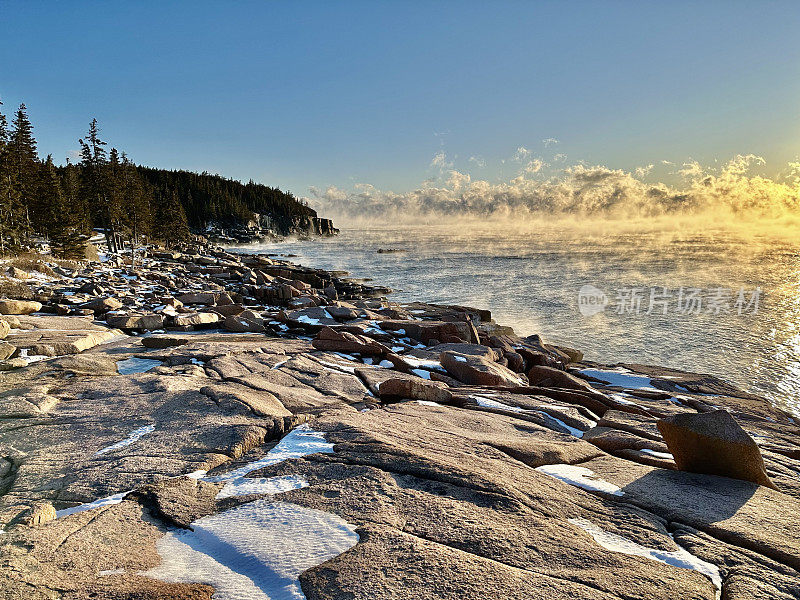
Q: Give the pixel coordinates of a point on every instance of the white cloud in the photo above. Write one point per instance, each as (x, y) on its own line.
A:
(643, 171)
(521, 154)
(549, 142)
(534, 166)
(440, 161)
(577, 190)
(478, 161)
(560, 157)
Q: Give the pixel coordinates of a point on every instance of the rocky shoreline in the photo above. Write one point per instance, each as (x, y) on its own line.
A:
(236, 425)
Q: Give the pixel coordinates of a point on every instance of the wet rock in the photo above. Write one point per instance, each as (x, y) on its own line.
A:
(19, 307)
(715, 444)
(477, 370)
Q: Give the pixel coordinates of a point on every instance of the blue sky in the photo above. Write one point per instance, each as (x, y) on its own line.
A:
(301, 94)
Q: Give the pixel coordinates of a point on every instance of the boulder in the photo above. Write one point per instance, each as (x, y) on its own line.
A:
(4, 329)
(424, 331)
(416, 389)
(135, 321)
(198, 318)
(241, 324)
(162, 341)
(552, 377)
(341, 341)
(478, 370)
(102, 305)
(473, 349)
(715, 444)
(19, 307)
(39, 514)
(208, 298)
(310, 318)
(17, 273)
(13, 363)
(7, 350)
(228, 310)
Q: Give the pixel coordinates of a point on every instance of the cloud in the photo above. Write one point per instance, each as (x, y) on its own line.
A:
(521, 154)
(643, 171)
(534, 166)
(549, 142)
(691, 170)
(560, 157)
(478, 161)
(74, 155)
(440, 162)
(576, 190)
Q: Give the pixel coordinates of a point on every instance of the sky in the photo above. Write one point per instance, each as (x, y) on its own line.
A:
(303, 95)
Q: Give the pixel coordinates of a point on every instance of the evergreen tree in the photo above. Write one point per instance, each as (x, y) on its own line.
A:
(24, 164)
(170, 227)
(95, 184)
(7, 192)
(49, 205)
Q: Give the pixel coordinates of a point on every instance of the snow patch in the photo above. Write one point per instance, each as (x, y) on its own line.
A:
(678, 558)
(620, 378)
(134, 436)
(254, 551)
(580, 477)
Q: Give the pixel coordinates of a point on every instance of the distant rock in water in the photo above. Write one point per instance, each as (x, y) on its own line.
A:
(270, 227)
(389, 250)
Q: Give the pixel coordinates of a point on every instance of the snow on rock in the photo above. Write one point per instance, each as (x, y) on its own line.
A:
(244, 486)
(134, 436)
(677, 558)
(620, 378)
(299, 442)
(580, 477)
(107, 501)
(255, 551)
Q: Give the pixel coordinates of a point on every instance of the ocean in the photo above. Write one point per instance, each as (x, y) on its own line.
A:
(699, 297)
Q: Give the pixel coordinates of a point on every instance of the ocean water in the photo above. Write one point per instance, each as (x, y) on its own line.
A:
(704, 277)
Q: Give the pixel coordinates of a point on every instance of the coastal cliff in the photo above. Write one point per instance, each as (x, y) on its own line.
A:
(237, 425)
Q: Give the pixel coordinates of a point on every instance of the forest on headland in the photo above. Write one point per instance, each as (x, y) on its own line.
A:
(104, 189)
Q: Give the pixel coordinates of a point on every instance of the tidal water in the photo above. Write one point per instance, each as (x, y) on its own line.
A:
(677, 297)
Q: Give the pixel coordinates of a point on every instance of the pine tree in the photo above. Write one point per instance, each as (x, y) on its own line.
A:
(49, 204)
(94, 165)
(136, 205)
(7, 194)
(24, 163)
(170, 227)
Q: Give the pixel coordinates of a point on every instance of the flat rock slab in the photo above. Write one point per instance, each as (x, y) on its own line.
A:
(57, 336)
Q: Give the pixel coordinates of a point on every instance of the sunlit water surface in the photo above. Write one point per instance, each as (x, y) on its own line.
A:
(530, 276)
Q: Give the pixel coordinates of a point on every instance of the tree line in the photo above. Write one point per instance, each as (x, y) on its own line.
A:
(105, 190)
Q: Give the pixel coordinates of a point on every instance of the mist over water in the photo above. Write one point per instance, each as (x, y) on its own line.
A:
(529, 275)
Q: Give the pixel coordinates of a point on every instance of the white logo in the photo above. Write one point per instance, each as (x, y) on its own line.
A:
(591, 300)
